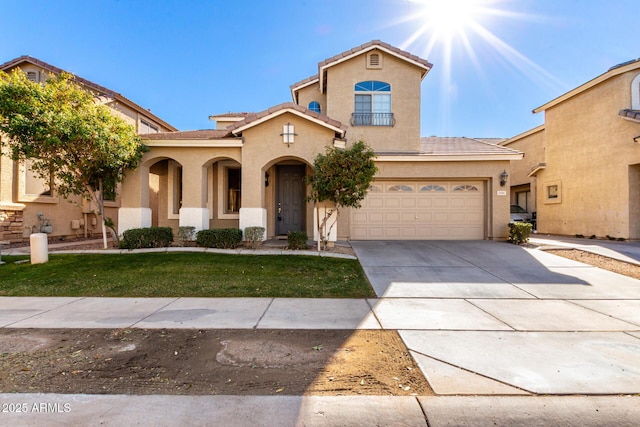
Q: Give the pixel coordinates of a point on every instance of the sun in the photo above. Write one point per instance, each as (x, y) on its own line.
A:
(449, 18)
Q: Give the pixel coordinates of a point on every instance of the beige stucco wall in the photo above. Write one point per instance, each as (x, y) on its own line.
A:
(590, 154)
(532, 144)
(405, 80)
(263, 149)
(312, 93)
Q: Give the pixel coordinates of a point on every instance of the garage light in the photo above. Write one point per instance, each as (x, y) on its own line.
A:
(503, 178)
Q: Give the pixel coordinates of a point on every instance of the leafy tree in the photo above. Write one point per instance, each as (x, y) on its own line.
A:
(68, 136)
(342, 177)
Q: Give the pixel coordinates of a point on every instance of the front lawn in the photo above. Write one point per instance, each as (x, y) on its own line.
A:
(185, 275)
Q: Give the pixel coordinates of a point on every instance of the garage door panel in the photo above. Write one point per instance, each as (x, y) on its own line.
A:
(421, 210)
(441, 203)
(376, 202)
(408, 203)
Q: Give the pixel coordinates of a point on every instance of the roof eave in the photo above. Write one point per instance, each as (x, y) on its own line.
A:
(522, 135)
(267, 117)
(195, 143)
(450, 157)
(588, 85)
(425, 67)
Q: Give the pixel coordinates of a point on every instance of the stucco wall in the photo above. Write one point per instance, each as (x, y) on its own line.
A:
(312, 93)
(532, 144)
(405, 80)
(589, 152)
(263, 148)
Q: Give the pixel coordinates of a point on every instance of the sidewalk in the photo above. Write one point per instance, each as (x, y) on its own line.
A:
(622, 251)
(505, 335)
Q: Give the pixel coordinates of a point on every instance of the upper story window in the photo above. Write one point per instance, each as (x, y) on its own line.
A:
(372, 105)
(314, 106)
(146, 127)
(635, 93)
(33, 76)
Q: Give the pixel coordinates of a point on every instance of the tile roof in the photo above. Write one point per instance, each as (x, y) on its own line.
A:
(188, 134)
(232, 115)
(423, 63)
(87, 83)
(630, 114)
(375, 43)
(452, 146)
(287, 106)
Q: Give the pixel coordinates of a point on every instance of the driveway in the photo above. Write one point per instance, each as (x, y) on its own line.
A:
(484, 317)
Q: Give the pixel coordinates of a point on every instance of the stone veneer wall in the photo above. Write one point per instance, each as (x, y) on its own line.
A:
(11, 225)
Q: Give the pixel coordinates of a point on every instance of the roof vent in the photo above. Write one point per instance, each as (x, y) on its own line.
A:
(374, 60)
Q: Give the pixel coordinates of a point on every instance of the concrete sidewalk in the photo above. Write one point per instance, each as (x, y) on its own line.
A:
(309, 411)
(505, 335)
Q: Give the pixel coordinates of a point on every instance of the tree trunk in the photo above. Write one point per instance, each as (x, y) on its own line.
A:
(101, 206)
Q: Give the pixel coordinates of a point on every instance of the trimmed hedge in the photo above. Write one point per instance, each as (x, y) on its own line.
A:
(519, 232)
(297, 240)
(222, 238)
(150, 237)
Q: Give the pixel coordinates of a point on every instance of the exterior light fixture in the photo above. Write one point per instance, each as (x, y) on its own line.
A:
(288, 134)
(635, 139)
(266, 179)
(503, 178)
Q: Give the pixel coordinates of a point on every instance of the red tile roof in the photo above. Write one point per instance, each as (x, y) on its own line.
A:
(287, 106)
(373, 44)
(188, 134)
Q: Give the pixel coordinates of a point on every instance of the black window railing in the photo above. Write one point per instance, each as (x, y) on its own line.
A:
(372, 119)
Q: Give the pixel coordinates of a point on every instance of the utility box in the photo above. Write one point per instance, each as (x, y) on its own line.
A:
(39, 248)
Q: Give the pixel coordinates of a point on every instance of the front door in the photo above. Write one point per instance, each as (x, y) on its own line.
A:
(290, 200)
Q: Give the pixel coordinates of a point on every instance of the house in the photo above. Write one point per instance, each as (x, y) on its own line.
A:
(27, 203)
(250, 169)
(581, 170)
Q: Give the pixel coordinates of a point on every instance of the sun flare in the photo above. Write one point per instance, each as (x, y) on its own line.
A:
(457, 31)
(447, 18)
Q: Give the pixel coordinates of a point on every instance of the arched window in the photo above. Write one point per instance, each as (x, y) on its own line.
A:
(372, 105)
(635, 93)
(314, 106)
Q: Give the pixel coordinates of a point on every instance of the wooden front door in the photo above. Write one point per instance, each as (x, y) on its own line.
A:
(290, 200)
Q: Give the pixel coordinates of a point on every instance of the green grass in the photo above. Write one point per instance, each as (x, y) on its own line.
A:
(185, 275)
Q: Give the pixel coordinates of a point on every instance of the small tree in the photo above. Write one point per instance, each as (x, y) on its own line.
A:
(68, 136)
(342, 177)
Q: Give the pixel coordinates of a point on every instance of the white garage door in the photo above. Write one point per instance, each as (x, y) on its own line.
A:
(420, 211)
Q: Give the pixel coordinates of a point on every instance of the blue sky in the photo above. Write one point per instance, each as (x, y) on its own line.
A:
(186, 60)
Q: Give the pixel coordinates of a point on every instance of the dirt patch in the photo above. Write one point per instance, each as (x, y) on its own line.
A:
(199, 362)
(606, 263)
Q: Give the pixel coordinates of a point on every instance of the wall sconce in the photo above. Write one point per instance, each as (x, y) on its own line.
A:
(266, 179)
(288, 134)
(503, 178)
(636, 139)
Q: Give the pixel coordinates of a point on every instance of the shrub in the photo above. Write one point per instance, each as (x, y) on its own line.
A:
(223, 238)
(253, 236)
(297, 240)
(151, 237)
(519, 232)
(186, 234)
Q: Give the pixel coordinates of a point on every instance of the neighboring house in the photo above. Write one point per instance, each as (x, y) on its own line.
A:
(27, 203)
(581, 170)
(250, 170)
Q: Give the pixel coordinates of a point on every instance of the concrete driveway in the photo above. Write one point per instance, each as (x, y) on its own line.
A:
(484, 317)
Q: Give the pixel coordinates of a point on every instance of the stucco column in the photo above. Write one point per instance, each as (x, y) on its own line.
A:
(194, 212)
(134, 200)
(253, 212)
